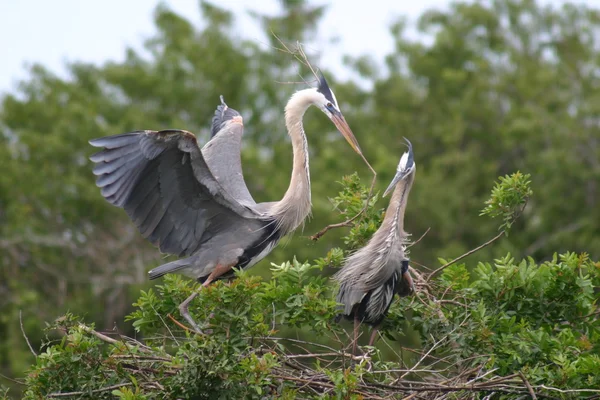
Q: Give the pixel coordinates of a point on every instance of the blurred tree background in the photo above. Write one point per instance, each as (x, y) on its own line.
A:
(489, 88)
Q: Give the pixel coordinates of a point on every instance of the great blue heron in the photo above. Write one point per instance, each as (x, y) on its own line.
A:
(372, 275)
(195, 203)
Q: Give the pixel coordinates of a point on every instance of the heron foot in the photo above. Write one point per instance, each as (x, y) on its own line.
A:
(184, 311)
(183, 307)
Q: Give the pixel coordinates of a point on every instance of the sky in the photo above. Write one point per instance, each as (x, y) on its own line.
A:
(56, 32)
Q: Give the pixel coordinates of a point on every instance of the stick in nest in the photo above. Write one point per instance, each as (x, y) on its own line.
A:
(298, 53)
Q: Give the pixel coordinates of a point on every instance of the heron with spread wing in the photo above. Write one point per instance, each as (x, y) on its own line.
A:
(373, 274)
(194, 203)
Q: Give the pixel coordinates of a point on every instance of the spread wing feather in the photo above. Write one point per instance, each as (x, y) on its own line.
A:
(162, 181)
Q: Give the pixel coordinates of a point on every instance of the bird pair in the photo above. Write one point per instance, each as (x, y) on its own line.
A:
(194, 203)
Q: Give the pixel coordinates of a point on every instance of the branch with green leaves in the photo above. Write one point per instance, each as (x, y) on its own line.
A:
(468, 333)
(508, 200)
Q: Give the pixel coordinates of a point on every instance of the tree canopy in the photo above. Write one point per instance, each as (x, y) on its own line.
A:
(489, 88)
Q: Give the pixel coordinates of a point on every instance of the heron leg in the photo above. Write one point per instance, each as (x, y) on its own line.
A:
(374, 334)
(355, 340)
(183, 310)
(184, 307)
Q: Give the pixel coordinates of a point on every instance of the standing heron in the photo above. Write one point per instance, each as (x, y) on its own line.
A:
(372, 275)
(195, 204)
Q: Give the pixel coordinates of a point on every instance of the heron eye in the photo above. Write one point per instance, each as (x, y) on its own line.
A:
(330, 106)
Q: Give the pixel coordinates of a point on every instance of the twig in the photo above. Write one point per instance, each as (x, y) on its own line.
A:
(433, 347)
(104, 389)
(141, 347)
(298, 54)
(528, 385)
(597, 312)
(316, 355)
(8, 378)
(419, 239)
(443, 389)
(165, 324)
(141, 358)
(483, 376)
(24, 335)
(468, 253)
(99, 335)
(179, 324)
(323, 231)
(298, 341)
(568, 390)
(319, 383)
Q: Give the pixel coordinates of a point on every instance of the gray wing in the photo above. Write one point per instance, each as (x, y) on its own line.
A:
(164, 184)
(369, 268)
(223, 113)
(223, 154)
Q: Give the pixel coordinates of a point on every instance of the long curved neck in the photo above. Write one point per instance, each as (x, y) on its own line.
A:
(294, 207)
(393, 223)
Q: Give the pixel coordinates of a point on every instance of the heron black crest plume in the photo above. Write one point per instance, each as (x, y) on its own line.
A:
(372, 275)
(324, 89)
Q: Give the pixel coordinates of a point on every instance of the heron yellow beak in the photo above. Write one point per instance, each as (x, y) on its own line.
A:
(340, 123)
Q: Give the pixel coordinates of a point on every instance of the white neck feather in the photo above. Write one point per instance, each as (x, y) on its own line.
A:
(392, 228)
(295, 206)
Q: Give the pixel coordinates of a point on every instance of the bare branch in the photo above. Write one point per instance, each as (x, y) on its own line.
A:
(104, 389)
(528, 385)
(468, 253)
(419, 239)
(24, 335)
(99, 335)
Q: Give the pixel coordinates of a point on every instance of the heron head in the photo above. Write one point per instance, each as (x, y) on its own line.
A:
(327, 103)
(406, 166)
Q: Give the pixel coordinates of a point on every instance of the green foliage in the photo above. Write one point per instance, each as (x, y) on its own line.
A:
(349, 202)
(541, 319)
(509, 197)
(510, 321)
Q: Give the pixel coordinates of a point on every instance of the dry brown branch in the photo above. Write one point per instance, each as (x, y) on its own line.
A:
(420, 238)
(104, 389)
(149, 358)
(99, 335)
(25, 335)
(296, 368)
(140, 346)
(179, 324)
(301, 342)
(13, 380)
(528, 385)
(516, 216)
(468, 253)
(553, 389)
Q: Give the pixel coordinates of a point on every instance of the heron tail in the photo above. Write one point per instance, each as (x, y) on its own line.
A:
(168, 268)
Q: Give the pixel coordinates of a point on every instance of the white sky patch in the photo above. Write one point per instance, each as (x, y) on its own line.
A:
(55, 32)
